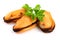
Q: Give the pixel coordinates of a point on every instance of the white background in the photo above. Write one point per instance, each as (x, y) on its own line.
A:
(6, 32)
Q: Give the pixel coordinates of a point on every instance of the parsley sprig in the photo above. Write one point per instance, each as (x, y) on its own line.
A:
(36, 12)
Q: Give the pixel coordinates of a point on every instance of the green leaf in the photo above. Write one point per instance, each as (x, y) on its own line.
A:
(35, 12)
(40, 15)
(37, 7)
(26, 6)
(41, 11)
(28, 13)
(33, 16)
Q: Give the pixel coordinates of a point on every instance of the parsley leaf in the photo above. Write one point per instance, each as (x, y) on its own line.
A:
(35, 12)
(26, 6)
(37, 7)
(39, 12)
(29, 11)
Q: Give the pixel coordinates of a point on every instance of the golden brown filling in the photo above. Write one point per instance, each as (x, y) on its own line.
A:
(48, 23)
(24, 23)
(19, 29)
(14, 15)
